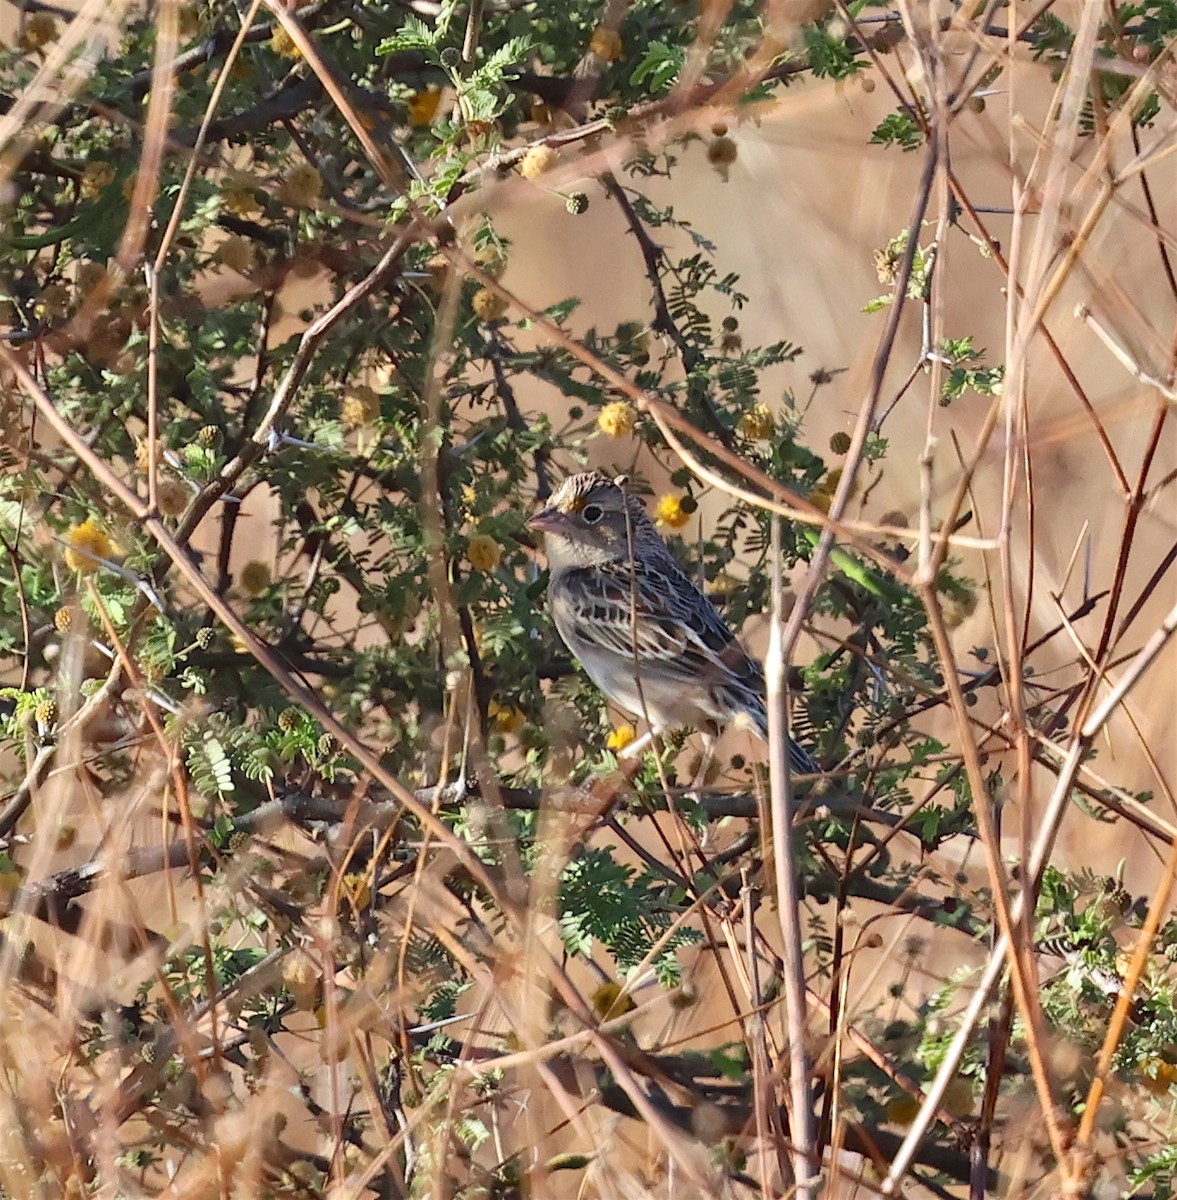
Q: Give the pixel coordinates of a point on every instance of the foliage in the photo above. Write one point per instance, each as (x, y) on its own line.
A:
(276, 648)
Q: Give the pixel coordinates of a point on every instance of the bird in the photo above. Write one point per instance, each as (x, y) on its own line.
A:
(644, 633)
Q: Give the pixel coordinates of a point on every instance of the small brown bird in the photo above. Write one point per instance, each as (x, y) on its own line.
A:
(644, 633)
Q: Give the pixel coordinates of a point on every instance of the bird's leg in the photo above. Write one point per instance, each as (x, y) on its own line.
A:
(706, 759)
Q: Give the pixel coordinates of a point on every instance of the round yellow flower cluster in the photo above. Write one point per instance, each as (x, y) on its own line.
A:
(506, 717)
(487, 305)
(483, 553)
(240, 200)
(282, 43)
(96, 178)
(673, 511)
(302, 186)
(40, 29)
(303, 979)
(823, 494)
(617, 419)
(360, 407)
(143, 454)
(958, 607)
(609, 1001)
(537, 161)
(757, 423)
(255, 577)
(622, 736)
(606, 44)
(84, 544)
(1157, 1076)
(423, 106)
(236, 253)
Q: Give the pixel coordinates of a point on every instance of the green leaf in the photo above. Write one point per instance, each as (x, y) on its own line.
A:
(659, 67)
(899, 129)
(414, 34)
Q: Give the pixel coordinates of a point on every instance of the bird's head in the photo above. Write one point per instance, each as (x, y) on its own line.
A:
(591, 520)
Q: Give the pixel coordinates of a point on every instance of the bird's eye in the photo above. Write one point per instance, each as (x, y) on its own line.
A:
(591, 513)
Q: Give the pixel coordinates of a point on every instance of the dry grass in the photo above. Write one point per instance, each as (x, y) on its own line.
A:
(131, 1067)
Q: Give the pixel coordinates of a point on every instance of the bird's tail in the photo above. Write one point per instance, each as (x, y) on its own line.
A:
(801, 762)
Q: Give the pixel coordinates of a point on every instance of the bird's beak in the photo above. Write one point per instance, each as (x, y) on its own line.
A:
(546, 520)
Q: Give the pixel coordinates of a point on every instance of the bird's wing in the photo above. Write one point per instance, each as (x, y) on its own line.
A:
(676, 626)
(676, 631)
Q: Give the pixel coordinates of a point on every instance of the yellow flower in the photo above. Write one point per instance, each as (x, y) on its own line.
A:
(302, 186)
(302, 977)
(423, 106)
(240, 200)
(40, 29)
(488, 306)
(622, 736)
(609, 1001)
(255, 577)
(483, 553)
(438, 268)
(356, 889)
(282, 43)
(506, 717)
(606, 44)
(236, 253)
(617, 419)
(96, 178)
(143, 454)
(10, 881)
(360, 407)
(757, 423)
(85, 543)
(536, 161)
(673, 511)
(1156, 1075)
(822, 495)
(493, 260)
(958, 607)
